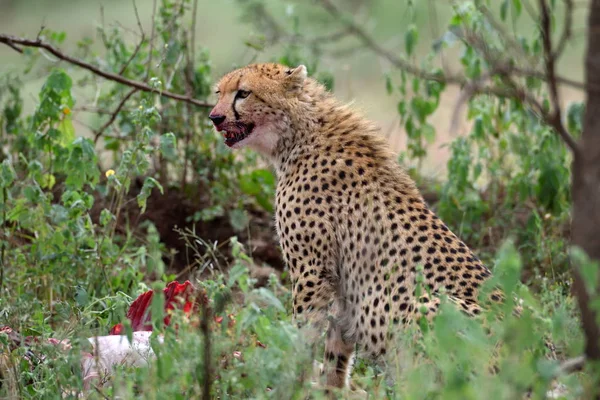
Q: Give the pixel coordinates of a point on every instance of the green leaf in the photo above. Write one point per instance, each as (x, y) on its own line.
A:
(48, 181)
(59, 81)
(402, 108)
(7, 173)
(388, 84)
(428, 132)
(575, 114)
(503, 10)
(589, 269)
(270, 299)
(327, 79)
(168, 146)
(410, 39)
(81, 296)
(67, 131)
(517, 6)
(478, 131)
(238, 219)
(105, 217)
(149, 184)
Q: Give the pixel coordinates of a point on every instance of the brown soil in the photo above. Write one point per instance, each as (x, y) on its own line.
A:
(169, 212)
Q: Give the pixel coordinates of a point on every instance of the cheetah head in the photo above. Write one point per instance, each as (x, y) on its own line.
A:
(253, 107)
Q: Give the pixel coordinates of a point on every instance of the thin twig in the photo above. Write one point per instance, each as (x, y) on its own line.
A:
(101, 393)
(555, 118)
(567, 30)
(137, 18)
(149, 66)
(113, 115)
(8, 39)
(139, 45)
(130, 59)
(14, 47)
(377, 49)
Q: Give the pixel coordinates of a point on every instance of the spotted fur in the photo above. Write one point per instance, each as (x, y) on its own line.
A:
(352, 225)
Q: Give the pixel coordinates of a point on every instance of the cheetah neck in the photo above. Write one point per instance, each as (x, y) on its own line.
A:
(317, 120)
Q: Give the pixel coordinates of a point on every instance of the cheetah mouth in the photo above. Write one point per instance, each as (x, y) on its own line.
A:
(237, 132)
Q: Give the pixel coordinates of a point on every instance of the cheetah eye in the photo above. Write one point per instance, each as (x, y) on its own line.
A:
(242, 94)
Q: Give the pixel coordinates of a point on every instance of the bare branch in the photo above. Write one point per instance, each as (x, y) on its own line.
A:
(13, 40)
(554, 118)
(567, 30)
(113, 115)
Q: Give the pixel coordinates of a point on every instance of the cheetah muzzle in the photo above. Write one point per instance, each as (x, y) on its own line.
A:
(235, 132)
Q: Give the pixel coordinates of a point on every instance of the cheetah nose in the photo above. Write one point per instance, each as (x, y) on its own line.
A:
(217, 119)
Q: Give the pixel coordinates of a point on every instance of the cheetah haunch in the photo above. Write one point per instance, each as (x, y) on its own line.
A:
(351, 223)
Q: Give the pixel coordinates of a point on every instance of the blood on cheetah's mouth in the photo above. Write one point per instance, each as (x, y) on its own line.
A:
(237, 132)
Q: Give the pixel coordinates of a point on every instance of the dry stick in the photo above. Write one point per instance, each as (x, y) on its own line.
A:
(555, 116)
(12, 41)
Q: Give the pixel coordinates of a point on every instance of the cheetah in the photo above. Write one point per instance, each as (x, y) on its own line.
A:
(353, 228)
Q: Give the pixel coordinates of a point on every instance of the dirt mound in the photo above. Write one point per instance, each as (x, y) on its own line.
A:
(170, 213)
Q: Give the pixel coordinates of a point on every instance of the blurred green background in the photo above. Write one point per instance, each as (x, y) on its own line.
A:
(222, 29)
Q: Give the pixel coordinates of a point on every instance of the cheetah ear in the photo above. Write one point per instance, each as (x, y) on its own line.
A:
(295, 78)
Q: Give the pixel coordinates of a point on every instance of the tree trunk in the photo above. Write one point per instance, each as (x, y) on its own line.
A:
(586, 184)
